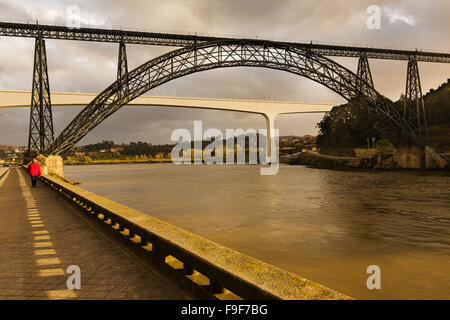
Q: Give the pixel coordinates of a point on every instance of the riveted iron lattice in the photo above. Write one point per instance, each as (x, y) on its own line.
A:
(363, 73)
(414, 108)
(122, 70)
(9, 29)
(363, 82)
(41, 120)
(222, 54)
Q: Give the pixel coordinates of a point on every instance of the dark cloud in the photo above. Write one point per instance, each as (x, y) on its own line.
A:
(90, 67)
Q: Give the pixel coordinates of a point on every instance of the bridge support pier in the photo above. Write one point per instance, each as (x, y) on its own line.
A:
(51, 165)
(41, 120)
(364, 82)
(363, 73)
(271, 141)
(414, 108)
(122, 69)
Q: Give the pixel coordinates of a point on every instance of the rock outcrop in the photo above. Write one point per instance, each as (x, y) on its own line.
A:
(51, 165)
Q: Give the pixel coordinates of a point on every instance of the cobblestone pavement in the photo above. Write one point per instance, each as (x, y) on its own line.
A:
(41, 236)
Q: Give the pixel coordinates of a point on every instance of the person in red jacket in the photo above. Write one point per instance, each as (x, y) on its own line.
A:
(35, 171)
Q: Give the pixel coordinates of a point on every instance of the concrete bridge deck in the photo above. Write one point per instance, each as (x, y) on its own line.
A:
(41, 236)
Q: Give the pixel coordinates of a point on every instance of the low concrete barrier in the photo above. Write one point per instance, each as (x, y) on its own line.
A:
(3, 172)
(206, 268)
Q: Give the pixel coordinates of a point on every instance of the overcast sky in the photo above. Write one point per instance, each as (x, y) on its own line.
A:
(91, 67)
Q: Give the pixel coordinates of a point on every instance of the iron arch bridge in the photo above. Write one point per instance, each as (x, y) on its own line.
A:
(223, 54)
(201, 53)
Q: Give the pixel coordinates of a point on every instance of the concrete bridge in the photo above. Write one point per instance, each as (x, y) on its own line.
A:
(269, 109)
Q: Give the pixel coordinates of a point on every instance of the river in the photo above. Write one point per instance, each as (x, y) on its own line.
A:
(327, 226)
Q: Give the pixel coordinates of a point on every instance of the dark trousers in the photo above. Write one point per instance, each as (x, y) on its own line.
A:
(34, 181)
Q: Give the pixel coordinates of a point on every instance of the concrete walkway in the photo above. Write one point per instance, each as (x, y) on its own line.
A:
(41, 236)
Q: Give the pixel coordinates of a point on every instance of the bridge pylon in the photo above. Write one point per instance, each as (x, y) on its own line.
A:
(364, 83)
(363, 73)
(41, 119)
(414, 107)
(122, 70)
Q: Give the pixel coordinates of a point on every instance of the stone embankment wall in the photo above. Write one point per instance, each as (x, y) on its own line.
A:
(365, 153)
(383, 158)
(51, 165)
(405, 158)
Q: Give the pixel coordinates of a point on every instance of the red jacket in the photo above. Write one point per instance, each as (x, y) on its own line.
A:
(34, 170)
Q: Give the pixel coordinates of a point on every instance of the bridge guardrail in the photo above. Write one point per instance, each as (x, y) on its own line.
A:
(206, 268)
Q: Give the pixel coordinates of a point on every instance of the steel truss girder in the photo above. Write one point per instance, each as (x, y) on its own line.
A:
(178, 40)
(41, 119)
(222, 54)
(414, 107)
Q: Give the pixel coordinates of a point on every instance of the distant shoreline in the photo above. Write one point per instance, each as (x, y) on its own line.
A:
(99, 162)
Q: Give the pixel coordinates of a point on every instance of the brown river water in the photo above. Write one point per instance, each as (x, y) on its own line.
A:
(327, 226)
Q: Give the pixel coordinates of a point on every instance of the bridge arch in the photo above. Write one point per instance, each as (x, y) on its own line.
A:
(223, 54)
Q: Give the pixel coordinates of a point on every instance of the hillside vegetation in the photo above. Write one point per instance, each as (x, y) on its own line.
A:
(346, 127)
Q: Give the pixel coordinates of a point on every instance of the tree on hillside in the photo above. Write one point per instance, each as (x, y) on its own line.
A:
(344, 128)
(347, 126)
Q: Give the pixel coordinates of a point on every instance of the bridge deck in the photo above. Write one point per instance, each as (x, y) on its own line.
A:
(41, 236)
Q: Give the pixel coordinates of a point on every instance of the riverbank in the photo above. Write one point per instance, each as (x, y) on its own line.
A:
(116, 161)
(321, 161)
(394, 159)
